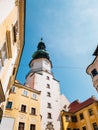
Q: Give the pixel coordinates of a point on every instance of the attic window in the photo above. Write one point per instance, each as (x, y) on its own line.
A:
(94, 72)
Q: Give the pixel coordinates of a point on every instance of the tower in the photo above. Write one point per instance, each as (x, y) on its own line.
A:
(41, 78)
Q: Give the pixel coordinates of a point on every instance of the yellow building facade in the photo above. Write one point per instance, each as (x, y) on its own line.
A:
(23, 105)
(11, 42)
(12, 19)
(81, 116)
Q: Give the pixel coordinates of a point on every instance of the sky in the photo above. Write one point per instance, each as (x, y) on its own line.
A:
(69, 29)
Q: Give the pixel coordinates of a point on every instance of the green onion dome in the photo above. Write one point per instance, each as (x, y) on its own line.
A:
(41, 52)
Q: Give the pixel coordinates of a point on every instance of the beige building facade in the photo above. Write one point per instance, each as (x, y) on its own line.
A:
(11, 43)
(92, 70)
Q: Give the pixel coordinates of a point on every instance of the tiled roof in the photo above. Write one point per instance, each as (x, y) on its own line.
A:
(76, 105)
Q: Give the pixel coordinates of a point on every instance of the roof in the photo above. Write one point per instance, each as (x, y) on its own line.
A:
(76, 105)
(96, 52)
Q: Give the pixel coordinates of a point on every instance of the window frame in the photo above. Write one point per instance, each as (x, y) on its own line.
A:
(9, 105)
(23, 108)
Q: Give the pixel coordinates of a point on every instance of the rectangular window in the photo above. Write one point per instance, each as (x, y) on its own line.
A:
(48, 94)
(81, 116)
(49, 116)
(25, 93)
(15, 31)
(23, 108)
(74, 118)
(67, 118)
(90, 111)
(48, 86)
(94, 72)
(33, 111)
(84, 128)
(32, 127)
(68, 128)
(49, 105)
(21, 126)
(34, 96)
(47, 77)
(9, 105)
(13, 89)
(95, 126)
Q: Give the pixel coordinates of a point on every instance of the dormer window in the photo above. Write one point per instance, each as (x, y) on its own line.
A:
(94, 72)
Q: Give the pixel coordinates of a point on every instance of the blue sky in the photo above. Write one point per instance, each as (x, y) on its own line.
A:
(70, 31)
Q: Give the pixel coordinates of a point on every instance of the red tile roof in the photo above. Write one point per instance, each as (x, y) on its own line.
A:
(76, 105)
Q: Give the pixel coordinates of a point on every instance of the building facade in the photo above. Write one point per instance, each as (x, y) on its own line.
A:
(11, 43)
(40, 77)
(22, 109)
(92, 70)
(81, 116)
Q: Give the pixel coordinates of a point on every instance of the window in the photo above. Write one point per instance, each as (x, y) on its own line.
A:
(33, 111)
(25, 93)
(90, 112)
(15, 31)
(48, 86)
(49, 105)
(21, 126)
(23, 108)
(68, 128)
(4, 52)
(74, 118)
(13, 89)
(84, 128)
(48, 94)
(34, 96)
(9, 105)
(47, 77)
(49, 116)
(95, 126)
(32, 127)
(81, 116)
(67, 118)
(94, 72)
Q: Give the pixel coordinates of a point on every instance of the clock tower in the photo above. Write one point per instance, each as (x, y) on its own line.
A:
(41, 78)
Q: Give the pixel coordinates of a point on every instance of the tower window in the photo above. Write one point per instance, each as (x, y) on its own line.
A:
(94, 72)
(49, 116)
(21, 126)
(9, 105)
(81, 116)
(48, 85)
(23, 108)
(32, 127)
(49, 105)
(48, 94)
(33, 111)
(48, 78)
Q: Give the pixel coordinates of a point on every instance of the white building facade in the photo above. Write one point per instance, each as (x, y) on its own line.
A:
(41, 78)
